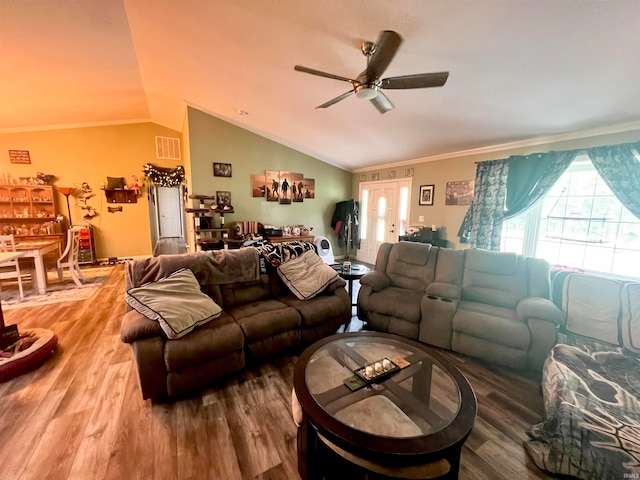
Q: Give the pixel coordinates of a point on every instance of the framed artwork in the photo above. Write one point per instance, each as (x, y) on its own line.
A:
(460, 192)
(391, 174)
(285, 187)
(297, 187)
(408, 172)
(272, 185)
(426, 194)
(223, 197)
(309, 188)
(257, 186)
(221, 169)
(375, 177)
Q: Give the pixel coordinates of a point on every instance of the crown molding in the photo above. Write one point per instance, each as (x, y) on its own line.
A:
(531, 142)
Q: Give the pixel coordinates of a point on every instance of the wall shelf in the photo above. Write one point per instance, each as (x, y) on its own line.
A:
(121, 196)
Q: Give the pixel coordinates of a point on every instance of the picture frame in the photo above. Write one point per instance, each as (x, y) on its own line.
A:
(460, 192)
(426, 195)
(258, 186)
(221, 169)
(223, 197)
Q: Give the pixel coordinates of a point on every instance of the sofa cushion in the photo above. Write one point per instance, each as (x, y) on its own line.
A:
(265, 318)
(630, 324)
(317, 312)
(217, 338)
(245, 292)
(175, 302)
(397, 302)
(412, 265)
(499, 325)
(592, 306)
(307, 275)
(496, 278)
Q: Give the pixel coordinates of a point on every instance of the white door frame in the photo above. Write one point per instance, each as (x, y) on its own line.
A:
(397, 215)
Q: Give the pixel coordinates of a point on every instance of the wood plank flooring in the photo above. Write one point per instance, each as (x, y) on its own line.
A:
(80, 414)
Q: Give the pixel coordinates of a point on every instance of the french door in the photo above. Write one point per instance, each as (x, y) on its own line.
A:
(384, 212)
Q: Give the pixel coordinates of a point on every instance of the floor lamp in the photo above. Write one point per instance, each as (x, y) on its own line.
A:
(66, 191)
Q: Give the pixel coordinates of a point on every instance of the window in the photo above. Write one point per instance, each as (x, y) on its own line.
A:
(580, 223)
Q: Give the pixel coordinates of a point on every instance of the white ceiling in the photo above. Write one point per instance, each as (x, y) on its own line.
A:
(519, 69)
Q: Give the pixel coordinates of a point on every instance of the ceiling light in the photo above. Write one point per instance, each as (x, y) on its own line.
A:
(367, 92)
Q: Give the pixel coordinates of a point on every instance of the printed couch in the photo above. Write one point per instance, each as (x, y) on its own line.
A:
(258, 317)
(591, 383)
(490, 305)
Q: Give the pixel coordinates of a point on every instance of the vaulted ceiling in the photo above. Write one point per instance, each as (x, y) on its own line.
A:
(518, 69)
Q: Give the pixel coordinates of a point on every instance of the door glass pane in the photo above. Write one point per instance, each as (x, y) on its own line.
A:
(364, 212)
(404, 209)
(382, 209)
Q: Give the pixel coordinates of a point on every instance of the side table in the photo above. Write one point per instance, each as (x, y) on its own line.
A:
(356, 273)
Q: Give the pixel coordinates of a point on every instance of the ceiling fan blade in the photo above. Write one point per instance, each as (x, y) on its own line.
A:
(335, 100)
(382, 103)
(420, 80)
(300, 68)
(386, 48)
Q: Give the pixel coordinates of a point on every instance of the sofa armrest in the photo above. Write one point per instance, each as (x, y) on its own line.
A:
(335, 285)
(136, 326)
(152, 372)
(445, 290)
(376, 280)
(539, 308)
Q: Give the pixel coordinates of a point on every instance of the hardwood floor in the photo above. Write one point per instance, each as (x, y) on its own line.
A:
(80, 415)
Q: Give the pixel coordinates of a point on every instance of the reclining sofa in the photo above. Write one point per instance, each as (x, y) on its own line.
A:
(490, 305)
(259, 318)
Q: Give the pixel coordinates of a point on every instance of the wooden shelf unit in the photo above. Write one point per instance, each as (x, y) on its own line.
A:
(28, 210)
(121, 196)
(206, 235)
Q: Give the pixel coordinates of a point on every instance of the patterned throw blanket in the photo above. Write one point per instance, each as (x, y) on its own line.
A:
(272, 255)
(592, 413)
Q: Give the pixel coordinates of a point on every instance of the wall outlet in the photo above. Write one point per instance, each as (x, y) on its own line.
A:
(421, 218)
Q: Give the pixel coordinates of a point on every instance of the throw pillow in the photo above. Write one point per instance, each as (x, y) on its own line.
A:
(306, 275)
(115, 183)
(175, 302)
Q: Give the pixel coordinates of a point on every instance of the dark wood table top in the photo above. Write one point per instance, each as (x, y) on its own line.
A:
(420, 412)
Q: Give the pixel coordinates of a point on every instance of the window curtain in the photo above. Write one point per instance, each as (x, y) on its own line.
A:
(482, 225)
(619, 166)
(531, 177)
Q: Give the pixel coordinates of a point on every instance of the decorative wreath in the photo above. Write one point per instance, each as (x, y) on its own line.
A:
(165, 177)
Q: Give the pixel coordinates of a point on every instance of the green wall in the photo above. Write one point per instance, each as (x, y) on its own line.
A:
(214, 140)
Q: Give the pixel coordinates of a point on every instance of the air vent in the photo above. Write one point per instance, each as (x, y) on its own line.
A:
(168, 148)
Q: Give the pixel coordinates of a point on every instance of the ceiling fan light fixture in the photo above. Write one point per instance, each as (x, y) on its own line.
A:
(367, 92)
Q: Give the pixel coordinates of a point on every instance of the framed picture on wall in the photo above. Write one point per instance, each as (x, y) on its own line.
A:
(224, 197)
(426, 195)
(460, 192)
(257, 185)
(221, 169)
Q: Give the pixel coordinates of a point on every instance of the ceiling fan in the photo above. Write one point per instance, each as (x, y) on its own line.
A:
(368, 84)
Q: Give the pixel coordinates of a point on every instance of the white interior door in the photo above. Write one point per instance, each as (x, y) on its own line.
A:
(170, 210)
(383, 212)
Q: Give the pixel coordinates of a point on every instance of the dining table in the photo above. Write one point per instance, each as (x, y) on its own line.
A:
(7, 257)
(37, 249)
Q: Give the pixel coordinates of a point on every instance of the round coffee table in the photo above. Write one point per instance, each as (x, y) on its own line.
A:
(411, 424)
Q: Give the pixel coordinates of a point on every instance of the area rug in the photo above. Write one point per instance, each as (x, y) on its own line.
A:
(64, 290)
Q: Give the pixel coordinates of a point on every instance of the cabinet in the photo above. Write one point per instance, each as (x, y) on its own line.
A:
(87, 246)
(28, 210)
(425, 235)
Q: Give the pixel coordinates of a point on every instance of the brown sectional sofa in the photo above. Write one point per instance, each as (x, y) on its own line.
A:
(490, 305)
(260, 319)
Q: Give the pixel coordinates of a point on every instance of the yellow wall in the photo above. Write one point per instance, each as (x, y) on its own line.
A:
(90, 154)
(214, 140)
(438, 173)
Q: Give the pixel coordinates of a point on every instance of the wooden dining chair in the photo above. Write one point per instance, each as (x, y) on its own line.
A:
(69, 258)
(10, 268)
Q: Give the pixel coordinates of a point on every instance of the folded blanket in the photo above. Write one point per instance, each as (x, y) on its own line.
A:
(214, 267)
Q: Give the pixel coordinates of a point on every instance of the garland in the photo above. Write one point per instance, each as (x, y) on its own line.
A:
(165, 177)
